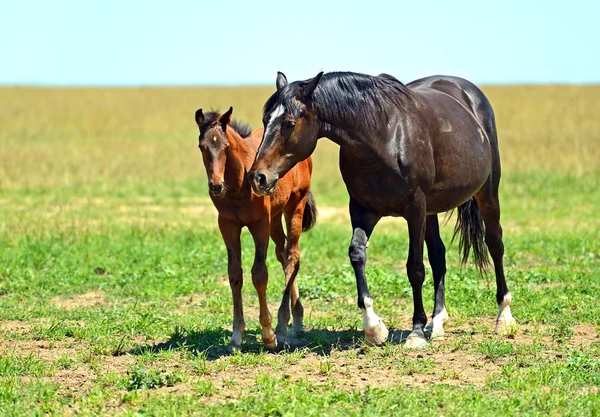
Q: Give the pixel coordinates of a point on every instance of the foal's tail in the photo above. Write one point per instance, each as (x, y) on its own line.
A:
(472, 234)
(310, 213)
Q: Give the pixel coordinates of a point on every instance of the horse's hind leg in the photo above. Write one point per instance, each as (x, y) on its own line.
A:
(260, 277)
(489, 205)
(291, 266)
(437, 259)
(231, 236)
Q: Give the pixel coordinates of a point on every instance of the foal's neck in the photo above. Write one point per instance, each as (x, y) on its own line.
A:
(238, 162)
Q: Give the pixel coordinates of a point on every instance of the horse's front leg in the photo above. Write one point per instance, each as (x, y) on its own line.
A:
(260, 277)
(231, 232)
(415, 214)
(363, 223)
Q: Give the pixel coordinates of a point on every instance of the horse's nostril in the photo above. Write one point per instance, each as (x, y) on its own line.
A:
(215, 187)
(261, 179)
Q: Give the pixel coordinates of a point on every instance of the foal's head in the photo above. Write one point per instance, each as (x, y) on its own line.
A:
(290, 136)
(215, 147)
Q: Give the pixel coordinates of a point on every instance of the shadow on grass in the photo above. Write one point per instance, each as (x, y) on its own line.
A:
(213, 342)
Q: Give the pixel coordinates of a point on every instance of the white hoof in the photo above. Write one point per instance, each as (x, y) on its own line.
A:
(505, 323)
(506, 326)
(414, 341)
(376, 335)
(436, 327)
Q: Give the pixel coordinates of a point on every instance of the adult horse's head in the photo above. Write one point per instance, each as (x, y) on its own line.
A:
(291, 133)
(214, 144)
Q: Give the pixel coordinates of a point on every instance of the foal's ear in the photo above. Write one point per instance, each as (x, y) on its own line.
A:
(226, 118)
(308, 89)
(281, 80)
(199, 117)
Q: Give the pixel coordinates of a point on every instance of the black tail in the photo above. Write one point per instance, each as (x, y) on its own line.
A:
(310, 213)
(472, 234)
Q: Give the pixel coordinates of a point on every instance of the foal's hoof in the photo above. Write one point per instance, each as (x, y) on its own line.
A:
(376, 335)
(414, 341)
(506, 326)
(270, 341)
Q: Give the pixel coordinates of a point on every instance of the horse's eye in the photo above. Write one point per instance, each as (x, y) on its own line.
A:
(289, 123)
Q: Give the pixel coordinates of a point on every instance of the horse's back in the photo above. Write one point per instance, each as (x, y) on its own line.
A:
(464, 92)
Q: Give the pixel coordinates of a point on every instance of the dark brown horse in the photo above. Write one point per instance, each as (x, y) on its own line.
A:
(228, 149)
(412, 151)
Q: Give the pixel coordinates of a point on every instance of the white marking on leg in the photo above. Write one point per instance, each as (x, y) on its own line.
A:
(505, 323)
(437, 324)
(375, 331)
(370, 319)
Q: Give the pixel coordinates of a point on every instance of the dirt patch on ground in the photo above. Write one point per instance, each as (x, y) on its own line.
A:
(16, 326)
(89, 299)
(584, 335)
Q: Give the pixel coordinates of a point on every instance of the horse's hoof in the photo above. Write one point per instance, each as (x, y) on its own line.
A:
(232, 348)
(376, 335)
(270, 342)
(506, 326)
(297, 329)
(437, 333)
(414, 341)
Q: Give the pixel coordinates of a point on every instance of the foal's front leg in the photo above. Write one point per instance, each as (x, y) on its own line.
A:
(260, 277)
(231, 236)
(363, 223)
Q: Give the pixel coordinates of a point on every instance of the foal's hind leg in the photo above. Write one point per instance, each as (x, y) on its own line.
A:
(489, 205)
(437, 259)
(292, 265)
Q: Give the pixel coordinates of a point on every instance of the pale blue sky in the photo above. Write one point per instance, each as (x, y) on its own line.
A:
(246, 42)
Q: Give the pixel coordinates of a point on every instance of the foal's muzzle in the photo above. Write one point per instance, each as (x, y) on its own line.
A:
(215, 189)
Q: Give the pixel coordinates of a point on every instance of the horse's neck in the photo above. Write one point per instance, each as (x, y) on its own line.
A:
(353, 135)
(239, 160)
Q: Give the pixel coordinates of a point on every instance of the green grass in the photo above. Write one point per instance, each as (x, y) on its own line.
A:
(114, 295)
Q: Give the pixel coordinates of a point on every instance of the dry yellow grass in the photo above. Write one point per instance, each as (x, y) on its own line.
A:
(53, 138)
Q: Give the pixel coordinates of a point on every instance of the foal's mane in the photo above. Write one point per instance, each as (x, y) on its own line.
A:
(243, 129)
(350, 96)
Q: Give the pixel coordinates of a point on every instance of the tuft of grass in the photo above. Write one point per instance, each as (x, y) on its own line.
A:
(138, 377)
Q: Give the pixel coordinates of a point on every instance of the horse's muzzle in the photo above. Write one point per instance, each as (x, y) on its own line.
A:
(215, 189)
(260, 183)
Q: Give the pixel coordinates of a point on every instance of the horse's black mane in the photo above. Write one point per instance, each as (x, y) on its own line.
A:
(243, 129)
(350, 96)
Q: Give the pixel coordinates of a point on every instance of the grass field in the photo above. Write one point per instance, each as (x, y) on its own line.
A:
(114, 296)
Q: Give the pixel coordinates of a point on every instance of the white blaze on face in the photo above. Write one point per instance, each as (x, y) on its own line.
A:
(214, 139)
(279, 110)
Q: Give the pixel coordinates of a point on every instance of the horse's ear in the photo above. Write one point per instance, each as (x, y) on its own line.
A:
(281, 80)
(199, 117)
(226, 118)
(308, 89)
